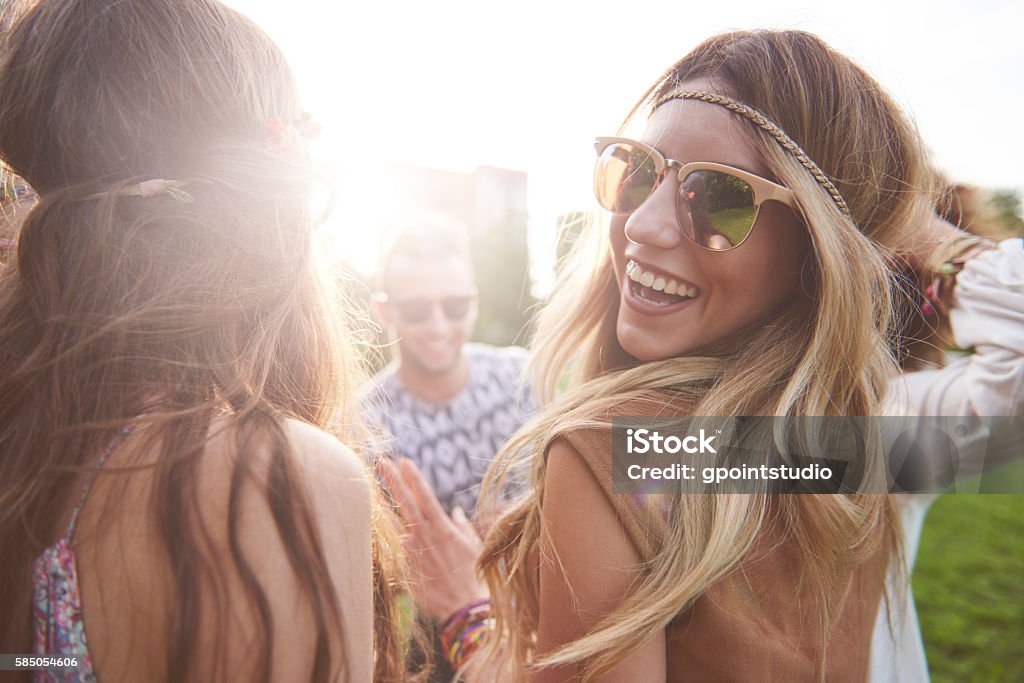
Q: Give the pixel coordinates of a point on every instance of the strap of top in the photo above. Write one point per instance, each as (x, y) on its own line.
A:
(111, 447)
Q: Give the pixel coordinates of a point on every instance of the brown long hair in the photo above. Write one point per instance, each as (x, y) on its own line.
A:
(828, 356)
(193, 309)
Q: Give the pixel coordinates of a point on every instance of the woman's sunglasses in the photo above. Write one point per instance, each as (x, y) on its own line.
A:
(716, 207)
(414, 311)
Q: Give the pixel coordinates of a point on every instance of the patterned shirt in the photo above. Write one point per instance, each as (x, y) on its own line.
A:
(454, 441)
(57, 604)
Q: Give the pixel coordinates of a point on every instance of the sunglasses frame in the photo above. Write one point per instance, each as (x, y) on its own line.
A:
(764, 190)
(382, 297)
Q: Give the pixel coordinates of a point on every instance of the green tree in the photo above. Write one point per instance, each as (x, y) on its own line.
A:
(1007, 207)
(502, 263)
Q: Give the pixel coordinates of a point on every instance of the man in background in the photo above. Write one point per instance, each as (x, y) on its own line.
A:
(446, 404)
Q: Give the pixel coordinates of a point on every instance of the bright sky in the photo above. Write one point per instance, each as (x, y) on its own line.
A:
(528, 84)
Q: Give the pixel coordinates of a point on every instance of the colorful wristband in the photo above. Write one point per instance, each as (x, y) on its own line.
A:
(465, 631)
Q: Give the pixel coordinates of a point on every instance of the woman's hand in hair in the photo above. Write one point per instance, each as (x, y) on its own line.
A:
(443, 550)
(919, 249)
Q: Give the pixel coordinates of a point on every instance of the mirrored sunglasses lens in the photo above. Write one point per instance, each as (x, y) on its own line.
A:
(624, 177)
(414, 310)
(456, 307)
(716, 210)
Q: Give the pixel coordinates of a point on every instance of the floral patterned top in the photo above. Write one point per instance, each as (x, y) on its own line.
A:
(57, 604)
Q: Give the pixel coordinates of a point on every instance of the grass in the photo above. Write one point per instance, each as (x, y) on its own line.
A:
(733, 223)
(969, 586)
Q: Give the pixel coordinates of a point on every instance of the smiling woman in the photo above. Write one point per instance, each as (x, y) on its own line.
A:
(743, 272)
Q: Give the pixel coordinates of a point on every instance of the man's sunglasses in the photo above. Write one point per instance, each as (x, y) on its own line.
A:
(412, 311)
(716, 207)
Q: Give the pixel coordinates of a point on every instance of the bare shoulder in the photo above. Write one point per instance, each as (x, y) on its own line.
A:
(254, 535)
(328, 473)
(579, 516)
(340, 492)
(326, 461)
(583, 537)
(566, 477)
(588, 565)
(330, 483)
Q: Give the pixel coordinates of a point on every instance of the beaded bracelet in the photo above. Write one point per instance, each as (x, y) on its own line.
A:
(938, 294)
(465, 631)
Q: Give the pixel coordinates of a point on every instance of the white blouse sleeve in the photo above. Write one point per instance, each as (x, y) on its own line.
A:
(988, 315)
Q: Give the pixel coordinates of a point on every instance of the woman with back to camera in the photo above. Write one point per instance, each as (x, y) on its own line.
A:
(774, 300)
(172, 504)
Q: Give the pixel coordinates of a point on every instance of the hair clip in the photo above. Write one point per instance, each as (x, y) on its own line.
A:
(937, 295)
(153, 187)
(287, 138)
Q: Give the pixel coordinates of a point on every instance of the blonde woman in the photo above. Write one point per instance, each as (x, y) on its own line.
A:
(174, 501)
(782, 306)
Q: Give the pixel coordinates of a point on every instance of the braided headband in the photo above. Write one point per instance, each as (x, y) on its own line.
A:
(769, 127)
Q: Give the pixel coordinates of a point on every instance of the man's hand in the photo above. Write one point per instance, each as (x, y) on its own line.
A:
(442, 550)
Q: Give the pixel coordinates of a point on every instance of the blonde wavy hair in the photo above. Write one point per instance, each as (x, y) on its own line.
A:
(827, 354)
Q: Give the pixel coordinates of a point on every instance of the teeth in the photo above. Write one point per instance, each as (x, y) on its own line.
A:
(648, 279)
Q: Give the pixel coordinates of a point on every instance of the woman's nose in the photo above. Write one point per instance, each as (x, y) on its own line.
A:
(655, 222)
